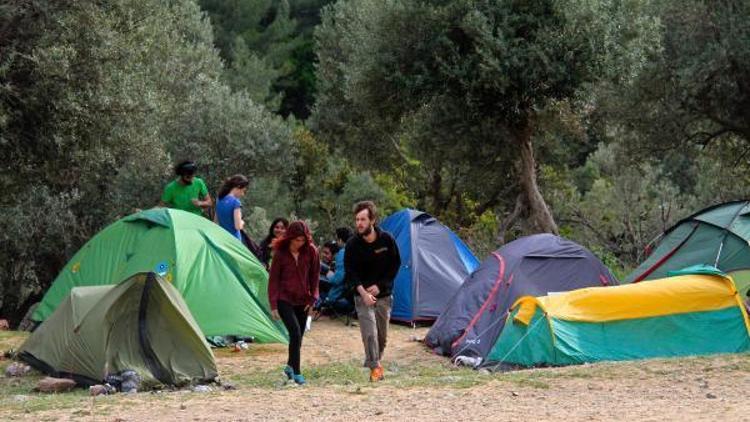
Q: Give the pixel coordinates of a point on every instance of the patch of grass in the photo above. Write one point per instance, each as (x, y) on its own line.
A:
(337, 373)
(12, 340)
(40, 402)
(533, 379)
(351, 373)
(17, 395)
(533, 383)
(258, 379)
(443, 374)
(658, 371)
(543, 377)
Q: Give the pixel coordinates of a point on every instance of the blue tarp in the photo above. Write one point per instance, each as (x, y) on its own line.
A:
(434, 264)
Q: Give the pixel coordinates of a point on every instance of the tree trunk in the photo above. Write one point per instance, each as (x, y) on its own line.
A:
(529, 204)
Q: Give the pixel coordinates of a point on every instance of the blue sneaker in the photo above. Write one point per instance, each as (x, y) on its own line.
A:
(289, 372)
(299, 379)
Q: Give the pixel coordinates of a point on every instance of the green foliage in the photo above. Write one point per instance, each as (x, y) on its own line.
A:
(461, 84)
(268, 48)
(636, 110)
(696, 89)
(97, 101)
(623, 205)
(625, 208)
(325, 186)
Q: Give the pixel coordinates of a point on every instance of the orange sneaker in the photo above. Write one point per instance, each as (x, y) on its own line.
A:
(377, 374)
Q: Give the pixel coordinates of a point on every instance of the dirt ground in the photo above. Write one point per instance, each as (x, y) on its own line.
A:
(690, 389)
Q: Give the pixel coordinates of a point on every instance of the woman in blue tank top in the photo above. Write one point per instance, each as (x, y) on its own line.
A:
(229, 207)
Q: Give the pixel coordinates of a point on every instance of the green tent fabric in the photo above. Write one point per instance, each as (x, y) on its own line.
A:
(142, 324)
(698, 269)
(718, 236)
(223, 284)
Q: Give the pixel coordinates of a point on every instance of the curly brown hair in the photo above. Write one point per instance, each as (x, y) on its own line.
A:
(372, 210)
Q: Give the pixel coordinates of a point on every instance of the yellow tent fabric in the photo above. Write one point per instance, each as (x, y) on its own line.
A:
(669, 296)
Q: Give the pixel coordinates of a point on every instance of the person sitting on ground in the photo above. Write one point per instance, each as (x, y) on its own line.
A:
(293, 289)
(276, 231)
(343, 234)
(327, 263)
(229, 208)
(336, 299)
(327, 252)
(187, 192)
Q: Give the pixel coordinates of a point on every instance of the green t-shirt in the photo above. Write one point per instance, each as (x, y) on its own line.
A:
(177, 195)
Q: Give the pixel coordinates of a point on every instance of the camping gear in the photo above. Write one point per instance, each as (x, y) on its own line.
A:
(684, 315)
(533, 265)
(718, 236)
(139, 331)
(434, 263)
(222, 283)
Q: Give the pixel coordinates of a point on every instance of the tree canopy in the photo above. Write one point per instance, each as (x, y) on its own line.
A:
(603, 120)
(472, 73)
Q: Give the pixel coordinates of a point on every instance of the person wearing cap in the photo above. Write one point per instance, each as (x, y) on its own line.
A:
(187, 192)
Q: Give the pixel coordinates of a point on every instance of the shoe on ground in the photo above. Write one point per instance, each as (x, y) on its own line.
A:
(289, 372)
(299, 379)
(377, 374)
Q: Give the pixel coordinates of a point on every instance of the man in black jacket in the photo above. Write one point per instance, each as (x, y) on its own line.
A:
(371, 262)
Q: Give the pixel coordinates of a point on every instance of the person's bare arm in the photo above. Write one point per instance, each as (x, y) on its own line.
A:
(206, 202)
(239, 224)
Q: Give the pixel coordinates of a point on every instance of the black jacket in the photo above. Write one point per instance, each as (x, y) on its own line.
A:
(372, 263)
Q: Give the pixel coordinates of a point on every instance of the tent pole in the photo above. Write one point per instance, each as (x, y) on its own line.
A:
(721, 246)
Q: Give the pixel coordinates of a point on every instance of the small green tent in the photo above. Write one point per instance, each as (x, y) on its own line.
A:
(223, 284)
(718, 236)
(141, 324)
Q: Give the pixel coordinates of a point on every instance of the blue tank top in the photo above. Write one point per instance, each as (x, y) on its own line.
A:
(225, 214)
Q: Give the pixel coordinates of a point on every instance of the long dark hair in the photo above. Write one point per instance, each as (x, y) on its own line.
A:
(236, 181)
(295, 230)
(267, 241)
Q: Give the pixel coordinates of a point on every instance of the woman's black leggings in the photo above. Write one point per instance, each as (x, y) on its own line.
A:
(294, 318)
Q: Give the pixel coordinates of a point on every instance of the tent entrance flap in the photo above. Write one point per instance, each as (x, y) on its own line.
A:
(152, 362)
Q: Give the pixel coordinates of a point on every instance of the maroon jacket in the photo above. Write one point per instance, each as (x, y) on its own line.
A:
(294, 282)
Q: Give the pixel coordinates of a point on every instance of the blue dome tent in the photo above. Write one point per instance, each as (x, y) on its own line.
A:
(434, 263)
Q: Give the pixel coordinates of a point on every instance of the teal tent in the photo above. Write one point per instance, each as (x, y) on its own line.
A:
(718, 236)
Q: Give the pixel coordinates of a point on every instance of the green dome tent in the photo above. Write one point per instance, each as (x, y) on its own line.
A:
(223, 284)
(718, 236)
(141, 324)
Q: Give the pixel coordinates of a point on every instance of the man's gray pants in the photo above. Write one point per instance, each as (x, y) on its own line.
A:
(373, 325)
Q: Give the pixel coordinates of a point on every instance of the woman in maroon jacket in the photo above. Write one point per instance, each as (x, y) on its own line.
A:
(293, 288)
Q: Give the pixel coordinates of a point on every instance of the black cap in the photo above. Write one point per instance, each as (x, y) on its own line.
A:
(186, 168)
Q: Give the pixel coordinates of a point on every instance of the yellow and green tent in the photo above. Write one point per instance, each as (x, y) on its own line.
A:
(690, 314)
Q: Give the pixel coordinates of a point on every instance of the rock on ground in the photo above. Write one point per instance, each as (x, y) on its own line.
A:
(55, 385)
(17, 369)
